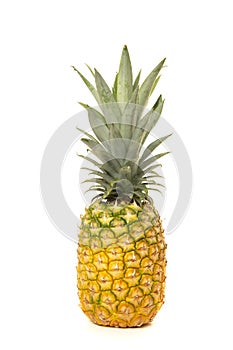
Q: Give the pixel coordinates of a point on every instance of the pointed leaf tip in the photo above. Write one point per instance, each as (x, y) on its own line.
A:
(149, 84)
(125, 77)
(84, 105)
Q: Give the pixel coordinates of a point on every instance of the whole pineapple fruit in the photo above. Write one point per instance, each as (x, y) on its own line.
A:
(121, 248)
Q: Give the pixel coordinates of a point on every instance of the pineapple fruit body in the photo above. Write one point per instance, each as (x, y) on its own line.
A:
(121, 264)
(121, 249)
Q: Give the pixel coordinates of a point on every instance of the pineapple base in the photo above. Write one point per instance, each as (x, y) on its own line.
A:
(121, 264)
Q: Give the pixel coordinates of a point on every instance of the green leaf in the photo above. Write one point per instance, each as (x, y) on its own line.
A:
(153, 183)
(155, 84)
(89, 85)
(115, 144)
(152, 176)
(99, 151)
(149, 149)
(97, 181)
(107, 193)
(130, 116)
(150, 169)
(141, 177)
(84, 105)
(85, 168)
(114, 132)
(151, 160)
(156, 166)
(141, 187)
(148, 84)
(134, 97)
(111, 168)
(136, 82)
(96, 197)
(108, 104)
(87, 134)
(103, 89)
(95, 188)
(91, 160)
(98, 124)
(149, 182)
(103, 175)
(140, 195)
(147, 123)
(114, 89)
(158, 106)
(92, 72)
(155, 174)
(124, 81)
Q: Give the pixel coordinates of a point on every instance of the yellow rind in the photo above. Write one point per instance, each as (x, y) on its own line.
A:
(121, 269)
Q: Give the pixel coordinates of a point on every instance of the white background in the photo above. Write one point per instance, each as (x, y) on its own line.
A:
(39, 42)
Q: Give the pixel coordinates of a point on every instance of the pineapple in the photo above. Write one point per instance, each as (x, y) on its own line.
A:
(121, 249)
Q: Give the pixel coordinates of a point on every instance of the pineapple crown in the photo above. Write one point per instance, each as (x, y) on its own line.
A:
(124, 171)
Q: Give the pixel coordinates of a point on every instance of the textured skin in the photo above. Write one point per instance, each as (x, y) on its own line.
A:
(121, 264)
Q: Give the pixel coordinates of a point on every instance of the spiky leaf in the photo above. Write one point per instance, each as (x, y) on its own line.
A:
(124, 80)
(136, 82)
(89, 85)
(121, 129)
(152, 146)
(152, 160)
(98, 123)
(147, 85)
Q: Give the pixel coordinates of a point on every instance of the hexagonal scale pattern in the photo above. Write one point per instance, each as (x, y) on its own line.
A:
(121, 264)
